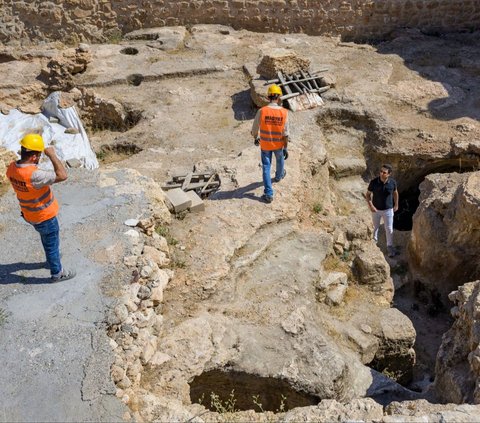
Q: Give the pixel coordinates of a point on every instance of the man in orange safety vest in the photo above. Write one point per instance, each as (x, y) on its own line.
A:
(271, 130)
(38, 205)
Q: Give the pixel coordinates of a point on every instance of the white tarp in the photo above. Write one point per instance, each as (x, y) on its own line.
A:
(67, 146)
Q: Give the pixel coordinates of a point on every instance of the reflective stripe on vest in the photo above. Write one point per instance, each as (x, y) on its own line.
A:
(37, 204)
(272, 125)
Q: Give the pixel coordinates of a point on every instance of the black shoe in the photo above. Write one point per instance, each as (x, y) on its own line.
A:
(65, 276)
(392, 252)
(267, 198)
(278, 180)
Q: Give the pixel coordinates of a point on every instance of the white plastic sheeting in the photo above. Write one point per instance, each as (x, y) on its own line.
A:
(67, 146)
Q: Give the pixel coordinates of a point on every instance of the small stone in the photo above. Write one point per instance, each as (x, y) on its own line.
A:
(148, 352)
(157, 295)
(74, 163)
(83, 48)
(131, 222)
(121, 312)
(124, 384)
(71, 131)
(144, 292)
(53, 119)
(117, 373)
(133, 236)
(159, 358)
(365, 328)
(130, 261)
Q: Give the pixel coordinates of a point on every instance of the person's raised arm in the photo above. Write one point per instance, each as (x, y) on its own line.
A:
(58, 167)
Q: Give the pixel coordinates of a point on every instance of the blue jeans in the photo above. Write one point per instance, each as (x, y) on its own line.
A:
(50, 234)
(267, 165)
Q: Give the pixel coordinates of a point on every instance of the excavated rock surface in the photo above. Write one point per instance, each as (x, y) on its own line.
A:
(277, 290)
(446, 232)
(458, 360)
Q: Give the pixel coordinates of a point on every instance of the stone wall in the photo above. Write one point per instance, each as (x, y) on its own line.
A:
(103, 20)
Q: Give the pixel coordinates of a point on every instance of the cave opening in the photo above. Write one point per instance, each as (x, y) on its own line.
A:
(220, 390)
(409, 197)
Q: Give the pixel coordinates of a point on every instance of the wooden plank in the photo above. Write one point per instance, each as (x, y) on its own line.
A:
(282, 80)
(307, 79)
(294, 83)
(187, 180)
(314, 81)
(208, 183)
(287, 96)
(197, 185)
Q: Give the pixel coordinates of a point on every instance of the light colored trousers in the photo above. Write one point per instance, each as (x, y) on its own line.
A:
(387, 216)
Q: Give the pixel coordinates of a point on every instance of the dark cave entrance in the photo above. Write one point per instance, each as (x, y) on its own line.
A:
(409, 197)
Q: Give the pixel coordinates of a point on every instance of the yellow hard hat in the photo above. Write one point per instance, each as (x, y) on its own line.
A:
(33, 142)
(274, 90)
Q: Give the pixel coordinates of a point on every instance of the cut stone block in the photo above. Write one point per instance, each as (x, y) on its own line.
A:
(197, 203)
(178, 199)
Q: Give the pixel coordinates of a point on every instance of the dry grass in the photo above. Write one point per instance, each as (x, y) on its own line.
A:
(334, 263)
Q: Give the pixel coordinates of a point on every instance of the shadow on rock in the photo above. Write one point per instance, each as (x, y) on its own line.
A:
(239, 193)
(242, 106)
(8, 273)
(449, 59)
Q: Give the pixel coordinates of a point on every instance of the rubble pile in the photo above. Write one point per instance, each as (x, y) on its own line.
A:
(134, 323)
(281, 60)
(58, 74)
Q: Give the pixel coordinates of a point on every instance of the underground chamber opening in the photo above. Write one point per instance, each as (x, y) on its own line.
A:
(135, 79)
(117, 152)
(409, 198)
(129, 51)
(220, 390)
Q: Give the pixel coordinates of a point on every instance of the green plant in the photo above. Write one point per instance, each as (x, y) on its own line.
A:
(114, 37)
(165, 232)
(317, 208)
(178, 263)
(257, 402)
(345, 256)
(280, 409)
(101, 155)
(222, 407)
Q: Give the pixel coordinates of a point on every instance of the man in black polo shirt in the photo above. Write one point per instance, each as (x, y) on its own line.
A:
(382, 197)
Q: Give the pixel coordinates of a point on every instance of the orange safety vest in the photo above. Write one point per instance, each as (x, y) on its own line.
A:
(272, 125)
(37, 204)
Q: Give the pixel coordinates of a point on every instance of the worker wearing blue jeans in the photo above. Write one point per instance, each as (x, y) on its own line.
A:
(270, 131)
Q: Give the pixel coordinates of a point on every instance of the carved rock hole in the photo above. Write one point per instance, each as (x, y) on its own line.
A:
(130, 51)
(272, 394)
(135, 79)
(409, 197)
(117, 152)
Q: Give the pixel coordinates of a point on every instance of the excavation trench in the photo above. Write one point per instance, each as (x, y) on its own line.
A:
(220, 390)
(356, 137)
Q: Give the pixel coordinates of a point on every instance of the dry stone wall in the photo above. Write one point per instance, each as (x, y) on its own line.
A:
(102, 20)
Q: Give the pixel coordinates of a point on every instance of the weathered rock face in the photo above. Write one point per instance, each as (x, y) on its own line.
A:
(396, 355)
(446, 232)
(58, 74)
(423, 411)
(458, 361)
(372, 270)
(6, 157)
(78, 20)
(281, 60)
